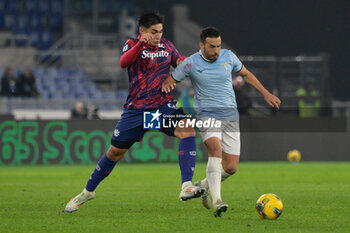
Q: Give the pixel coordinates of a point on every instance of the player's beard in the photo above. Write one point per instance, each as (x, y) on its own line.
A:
(214, 57)
(210, 57)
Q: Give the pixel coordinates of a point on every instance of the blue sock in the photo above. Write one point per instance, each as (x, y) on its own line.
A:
(187, 158)
(103, 168)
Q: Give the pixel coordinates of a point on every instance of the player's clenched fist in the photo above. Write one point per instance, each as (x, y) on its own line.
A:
(145, 37)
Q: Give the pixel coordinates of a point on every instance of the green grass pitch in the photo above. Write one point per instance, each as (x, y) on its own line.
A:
(144, 198)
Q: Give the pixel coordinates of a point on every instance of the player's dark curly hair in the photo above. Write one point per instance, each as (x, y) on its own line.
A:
(150, 18)
(209, 32)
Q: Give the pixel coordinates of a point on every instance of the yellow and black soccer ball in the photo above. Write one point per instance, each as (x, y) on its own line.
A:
(269, 206)
(294, 156)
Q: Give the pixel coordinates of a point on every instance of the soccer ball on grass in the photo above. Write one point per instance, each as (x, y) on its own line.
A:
(269, 206)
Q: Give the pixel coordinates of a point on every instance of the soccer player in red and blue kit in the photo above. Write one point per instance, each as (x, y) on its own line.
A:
(148, 59)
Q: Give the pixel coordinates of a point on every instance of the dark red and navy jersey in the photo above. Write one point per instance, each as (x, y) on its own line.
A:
(148, 72)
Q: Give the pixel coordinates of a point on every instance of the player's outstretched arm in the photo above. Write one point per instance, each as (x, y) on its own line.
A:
(169, 84)
(250, 78)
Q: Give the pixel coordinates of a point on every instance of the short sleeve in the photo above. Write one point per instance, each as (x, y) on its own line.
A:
(182, 70)
(236, 63)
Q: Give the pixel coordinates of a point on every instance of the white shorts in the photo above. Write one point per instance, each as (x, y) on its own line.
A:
(228, 134)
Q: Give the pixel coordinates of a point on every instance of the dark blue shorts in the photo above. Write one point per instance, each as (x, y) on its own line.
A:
(131, 127)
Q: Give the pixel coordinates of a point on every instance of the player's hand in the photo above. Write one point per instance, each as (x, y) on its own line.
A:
(146, 37)
(168, 85)
(272, 100)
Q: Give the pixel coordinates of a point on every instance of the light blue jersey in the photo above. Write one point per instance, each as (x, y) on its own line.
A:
(212, 84)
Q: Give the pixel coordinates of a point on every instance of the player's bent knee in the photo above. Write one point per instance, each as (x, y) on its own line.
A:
(231, 170)
(184, 132)
(214, 147)
(216, 154)
(115, 154)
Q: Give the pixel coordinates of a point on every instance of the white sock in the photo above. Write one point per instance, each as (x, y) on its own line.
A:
(224, 175)
(204, 183)
(214, 177)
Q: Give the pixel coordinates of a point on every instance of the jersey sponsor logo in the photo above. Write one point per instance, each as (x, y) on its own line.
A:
(146, 54)
(161, 46)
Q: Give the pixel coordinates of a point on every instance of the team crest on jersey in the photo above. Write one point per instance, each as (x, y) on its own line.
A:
(225, 64)
(125, 47)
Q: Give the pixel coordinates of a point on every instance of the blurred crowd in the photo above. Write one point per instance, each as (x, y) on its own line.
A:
(84, 111)
(21, 86)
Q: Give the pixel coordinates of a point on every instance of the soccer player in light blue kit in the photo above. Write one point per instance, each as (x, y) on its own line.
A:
(210, 71)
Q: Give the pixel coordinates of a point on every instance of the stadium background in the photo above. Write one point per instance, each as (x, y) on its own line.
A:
(73, 48)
